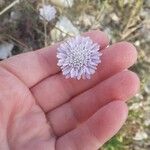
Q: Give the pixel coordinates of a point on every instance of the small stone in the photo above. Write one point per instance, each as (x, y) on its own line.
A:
(63, 3)
(5, 50)
(66, 27)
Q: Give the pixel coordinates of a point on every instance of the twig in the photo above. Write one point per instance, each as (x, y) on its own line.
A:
(63, 31)
(45, 28)
(133, 15)
(17, 41)
(103, 7)
(9, 6)
(133, 37)
(126, 34)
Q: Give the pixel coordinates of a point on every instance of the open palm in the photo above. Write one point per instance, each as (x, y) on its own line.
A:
(41, 110)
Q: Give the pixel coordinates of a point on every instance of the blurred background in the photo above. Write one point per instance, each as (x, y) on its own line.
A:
(27, 25)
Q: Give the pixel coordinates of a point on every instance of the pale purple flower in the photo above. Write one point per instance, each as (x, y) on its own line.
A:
(78, 57)
(47, 12)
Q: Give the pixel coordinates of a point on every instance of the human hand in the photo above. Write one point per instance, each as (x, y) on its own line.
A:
(41, 110)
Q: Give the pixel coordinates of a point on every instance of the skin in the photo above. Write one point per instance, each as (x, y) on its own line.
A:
(40, 109)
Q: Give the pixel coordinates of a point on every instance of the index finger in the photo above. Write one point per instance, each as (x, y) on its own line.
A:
(32, 67)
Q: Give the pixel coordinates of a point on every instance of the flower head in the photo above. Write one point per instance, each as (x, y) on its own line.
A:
(47, 12)
(78, 57)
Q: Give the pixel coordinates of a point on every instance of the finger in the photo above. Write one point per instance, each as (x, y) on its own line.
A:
(68, 116)
(97, 130)
(114, 59)
(13, 94)
(33, 67)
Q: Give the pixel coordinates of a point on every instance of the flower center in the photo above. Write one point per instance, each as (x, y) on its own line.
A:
(79, 57)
